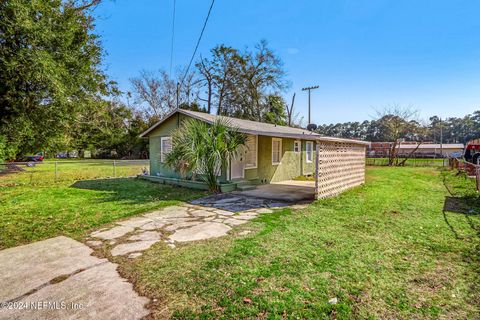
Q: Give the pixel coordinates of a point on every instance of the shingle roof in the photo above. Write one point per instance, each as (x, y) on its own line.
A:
(255, 127)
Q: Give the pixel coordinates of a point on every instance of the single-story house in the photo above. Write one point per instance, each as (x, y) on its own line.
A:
(272, 154)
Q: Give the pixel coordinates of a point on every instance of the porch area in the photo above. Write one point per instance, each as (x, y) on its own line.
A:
(288, 190)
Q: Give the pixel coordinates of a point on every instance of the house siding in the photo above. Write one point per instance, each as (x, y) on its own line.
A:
(291, 165)
(157, 168)
(165, 130)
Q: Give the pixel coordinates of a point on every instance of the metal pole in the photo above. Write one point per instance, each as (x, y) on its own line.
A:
(56, 171)
(477, 173)
(441, 137)
(114, 169)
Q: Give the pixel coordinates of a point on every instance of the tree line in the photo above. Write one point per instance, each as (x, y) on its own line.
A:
(245, 84)
(449, 130)
(56, 96)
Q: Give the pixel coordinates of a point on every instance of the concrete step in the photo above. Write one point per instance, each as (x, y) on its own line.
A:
(241, 182)
(245, 187)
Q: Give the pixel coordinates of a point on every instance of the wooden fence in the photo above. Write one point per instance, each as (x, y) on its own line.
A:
(340, 166)
(470, 169)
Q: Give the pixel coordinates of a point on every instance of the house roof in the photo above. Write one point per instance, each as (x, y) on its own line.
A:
(255, 127)
(432, 146)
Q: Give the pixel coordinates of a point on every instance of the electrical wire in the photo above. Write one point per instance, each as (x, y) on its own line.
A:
(173, 38)
(198, 42)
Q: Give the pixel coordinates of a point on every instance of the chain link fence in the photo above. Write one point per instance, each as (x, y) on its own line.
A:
(51, 171)
(411, 162)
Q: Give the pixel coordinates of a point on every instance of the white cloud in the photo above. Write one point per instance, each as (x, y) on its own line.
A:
(292, 50)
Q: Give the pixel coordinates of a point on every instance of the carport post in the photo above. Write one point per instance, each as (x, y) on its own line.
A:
(317, 157)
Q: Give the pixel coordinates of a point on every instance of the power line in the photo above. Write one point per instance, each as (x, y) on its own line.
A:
(173, 37)
(198, 42)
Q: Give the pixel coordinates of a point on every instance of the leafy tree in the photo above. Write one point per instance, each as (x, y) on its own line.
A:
(275, 110)
(198, 147)
(238, 84)
(50, 62)
(110, 126)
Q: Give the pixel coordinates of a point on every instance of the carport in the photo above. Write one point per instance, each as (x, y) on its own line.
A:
(339, 165)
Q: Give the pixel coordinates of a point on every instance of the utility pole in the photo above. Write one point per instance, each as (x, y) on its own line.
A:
(309, 89)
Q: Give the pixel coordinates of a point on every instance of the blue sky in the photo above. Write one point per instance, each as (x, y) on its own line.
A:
(364, 55)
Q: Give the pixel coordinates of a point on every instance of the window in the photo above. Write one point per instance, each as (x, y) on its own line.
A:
(166, 147)
(276, 150)
(309, 149)
(297, 146)
(251, 154)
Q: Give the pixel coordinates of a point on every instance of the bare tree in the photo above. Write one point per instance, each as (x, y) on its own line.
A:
(154, 93)
(206, 80)
(398, 124)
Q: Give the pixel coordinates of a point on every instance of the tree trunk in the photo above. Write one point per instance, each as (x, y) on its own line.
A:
(410, 154)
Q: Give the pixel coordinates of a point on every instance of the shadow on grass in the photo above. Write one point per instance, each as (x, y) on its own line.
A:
(137, 191)
(468, 206)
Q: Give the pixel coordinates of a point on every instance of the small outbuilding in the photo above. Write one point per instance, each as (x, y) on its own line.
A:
(273, 155)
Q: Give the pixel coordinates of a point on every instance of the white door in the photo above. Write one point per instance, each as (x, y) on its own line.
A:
(238, 166)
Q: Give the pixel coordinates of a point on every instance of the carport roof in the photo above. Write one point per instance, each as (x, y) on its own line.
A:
(255, 127)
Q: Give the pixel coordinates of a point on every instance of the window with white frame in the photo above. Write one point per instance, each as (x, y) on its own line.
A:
(297, 146)
(276, 150)
(309, 150)
(251, 154)
(166, 147)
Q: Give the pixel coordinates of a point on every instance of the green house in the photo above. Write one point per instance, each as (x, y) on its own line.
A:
(272, 153)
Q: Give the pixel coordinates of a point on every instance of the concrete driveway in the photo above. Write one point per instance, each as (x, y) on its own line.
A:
(290, 190)
(59, 279)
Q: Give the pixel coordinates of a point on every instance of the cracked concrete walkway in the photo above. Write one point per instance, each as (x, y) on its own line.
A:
(58, 278)
(209, 217)
(174, 224)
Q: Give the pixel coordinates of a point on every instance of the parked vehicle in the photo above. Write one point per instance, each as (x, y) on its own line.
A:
(35, 158)
(472, 151)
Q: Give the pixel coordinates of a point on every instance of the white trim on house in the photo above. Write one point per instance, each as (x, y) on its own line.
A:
(247, 166)
(309, 153)
(279, 151)
(297, 146)
(168, 148)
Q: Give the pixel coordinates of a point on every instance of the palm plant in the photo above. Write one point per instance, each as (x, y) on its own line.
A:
(204, 149)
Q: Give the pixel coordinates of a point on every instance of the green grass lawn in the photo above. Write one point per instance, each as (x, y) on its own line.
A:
(33, 206)
(385, 250)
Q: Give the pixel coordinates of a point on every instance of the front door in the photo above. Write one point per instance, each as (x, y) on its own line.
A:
(238, 166)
